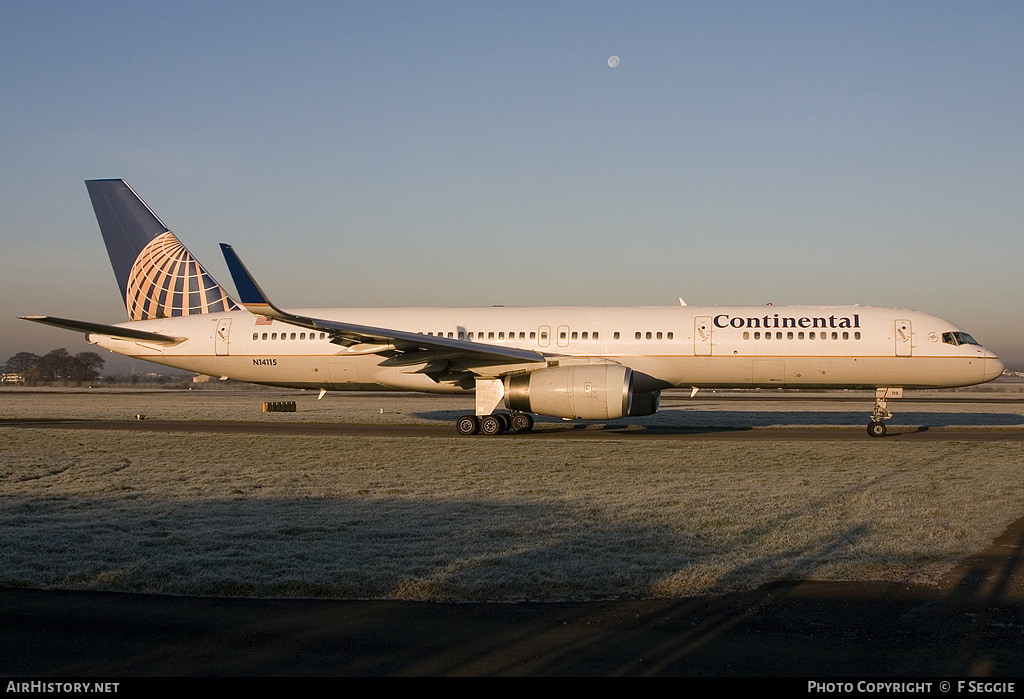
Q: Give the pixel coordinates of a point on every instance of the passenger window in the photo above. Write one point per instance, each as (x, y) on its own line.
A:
(835, 335)
(615, 336)
(670, 335)
(648, 334)
(789, 335)
(846, 336)
(584, 336)
(533, 335)
(757, 335)
(638, 335)
(273, 336)
(490, 336)
(501, 336)
(856, 335)
(255, 336)
(746, 335)
(659, 336)
(264, 336)
(575, 335)
(595, 336)
(462, 335)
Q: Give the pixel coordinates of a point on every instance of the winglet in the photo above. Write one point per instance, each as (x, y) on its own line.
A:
(249, 292)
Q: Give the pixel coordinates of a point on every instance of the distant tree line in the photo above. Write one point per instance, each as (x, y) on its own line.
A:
(56, 365)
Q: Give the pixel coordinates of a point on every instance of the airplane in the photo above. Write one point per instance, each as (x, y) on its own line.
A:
(576, 363)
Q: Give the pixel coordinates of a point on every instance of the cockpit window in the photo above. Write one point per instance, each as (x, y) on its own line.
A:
(958, 338)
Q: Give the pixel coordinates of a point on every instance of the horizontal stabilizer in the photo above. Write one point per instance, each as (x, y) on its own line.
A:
(109, 330)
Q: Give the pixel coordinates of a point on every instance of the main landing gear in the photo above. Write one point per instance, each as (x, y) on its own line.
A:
(876, 428)
(494, 424)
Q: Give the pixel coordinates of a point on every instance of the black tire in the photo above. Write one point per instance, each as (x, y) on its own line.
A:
(876, 429)
(467, 425)
(491, 425)
(522, 422)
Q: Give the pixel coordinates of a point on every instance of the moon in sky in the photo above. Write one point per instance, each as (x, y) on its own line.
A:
(613, 61)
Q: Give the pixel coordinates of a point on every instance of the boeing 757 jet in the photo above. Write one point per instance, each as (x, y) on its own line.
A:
(585, 363)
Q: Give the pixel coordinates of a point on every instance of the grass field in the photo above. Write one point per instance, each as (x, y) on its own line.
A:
(478, 519)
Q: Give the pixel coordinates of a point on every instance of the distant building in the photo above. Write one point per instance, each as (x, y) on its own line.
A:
(12, 378)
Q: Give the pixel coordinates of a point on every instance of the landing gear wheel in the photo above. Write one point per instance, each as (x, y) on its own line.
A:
(491, 425)
(522, 422)
(876, 428)
(467, 425)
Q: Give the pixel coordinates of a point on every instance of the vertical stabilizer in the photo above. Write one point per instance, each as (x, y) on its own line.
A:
(157, 276)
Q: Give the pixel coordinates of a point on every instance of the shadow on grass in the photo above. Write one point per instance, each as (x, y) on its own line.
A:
(243, 548)
(717, 420)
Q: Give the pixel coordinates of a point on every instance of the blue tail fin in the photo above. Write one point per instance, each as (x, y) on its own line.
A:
(157, 276)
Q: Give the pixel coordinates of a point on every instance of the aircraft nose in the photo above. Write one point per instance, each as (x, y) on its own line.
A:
(993, 367)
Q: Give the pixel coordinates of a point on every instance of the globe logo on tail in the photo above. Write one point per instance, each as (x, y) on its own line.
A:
(167, 281)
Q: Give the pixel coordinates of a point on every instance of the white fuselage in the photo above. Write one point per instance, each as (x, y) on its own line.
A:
(710, 346)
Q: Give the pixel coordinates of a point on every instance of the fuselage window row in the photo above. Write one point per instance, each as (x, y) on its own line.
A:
(800, 335)
(287, 336)
(562, 335)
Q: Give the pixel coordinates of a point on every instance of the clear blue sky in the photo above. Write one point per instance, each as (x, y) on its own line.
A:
(473, 153)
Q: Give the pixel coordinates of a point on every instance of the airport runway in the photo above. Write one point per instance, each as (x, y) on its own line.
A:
(542, 431)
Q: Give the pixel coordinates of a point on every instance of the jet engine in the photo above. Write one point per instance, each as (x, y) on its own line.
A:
(583, 392)
(645, 403)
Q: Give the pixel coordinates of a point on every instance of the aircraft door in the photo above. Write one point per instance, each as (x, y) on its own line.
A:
(563, 336)
(904, 338)
(702, 335)
(220, 337)
(544, 335)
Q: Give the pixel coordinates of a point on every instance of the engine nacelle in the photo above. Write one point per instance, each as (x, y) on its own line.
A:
(583, 392)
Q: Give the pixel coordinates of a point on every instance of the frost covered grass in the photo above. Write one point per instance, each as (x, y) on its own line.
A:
(479, 519)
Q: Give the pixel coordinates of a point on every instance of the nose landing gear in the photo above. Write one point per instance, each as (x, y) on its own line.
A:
(876, 428)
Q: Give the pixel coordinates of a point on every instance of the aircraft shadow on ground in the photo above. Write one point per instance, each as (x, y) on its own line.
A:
(339, 548)
(722, 420)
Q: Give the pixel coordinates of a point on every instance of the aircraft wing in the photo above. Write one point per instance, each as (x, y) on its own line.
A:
(110, 330)
(377, 340)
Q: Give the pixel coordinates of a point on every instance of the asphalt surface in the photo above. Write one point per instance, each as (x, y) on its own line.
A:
(541, 431)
